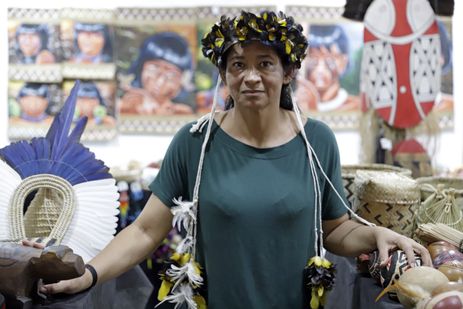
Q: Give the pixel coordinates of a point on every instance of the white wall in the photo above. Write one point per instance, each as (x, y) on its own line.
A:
(147, 149)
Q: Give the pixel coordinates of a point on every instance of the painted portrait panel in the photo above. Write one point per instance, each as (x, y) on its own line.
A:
(31, 107)
(96, 101)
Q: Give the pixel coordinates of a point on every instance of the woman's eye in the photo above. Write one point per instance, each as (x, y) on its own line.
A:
(237, 65)
(266, 64)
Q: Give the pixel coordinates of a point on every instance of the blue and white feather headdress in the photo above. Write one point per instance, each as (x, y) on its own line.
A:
(76, 199)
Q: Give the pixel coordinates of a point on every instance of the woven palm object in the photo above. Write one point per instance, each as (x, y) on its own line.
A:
(430, 185)
(55, 189)
(388, 199)
(349, 172)
(441, 207)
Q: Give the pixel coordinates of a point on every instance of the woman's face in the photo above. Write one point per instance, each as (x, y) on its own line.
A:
(161, 79)
(254, 75)
(29, 43)
(33, 106)
(90, 43)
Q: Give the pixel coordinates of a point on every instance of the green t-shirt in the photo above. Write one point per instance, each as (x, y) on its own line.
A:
(256, 212)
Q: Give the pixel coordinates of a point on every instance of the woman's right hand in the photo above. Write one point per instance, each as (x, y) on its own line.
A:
(70, 286)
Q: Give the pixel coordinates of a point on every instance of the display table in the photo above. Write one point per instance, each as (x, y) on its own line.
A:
(353, 290)
(130, 290)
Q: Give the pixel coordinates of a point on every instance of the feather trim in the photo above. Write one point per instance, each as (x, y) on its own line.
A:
(95, 219)
(184, 214)
(183, 294)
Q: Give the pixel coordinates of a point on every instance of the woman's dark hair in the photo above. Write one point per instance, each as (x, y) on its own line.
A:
(107, 51)
(90, 90)
(286, 101)
(39, 29)
(167, 46)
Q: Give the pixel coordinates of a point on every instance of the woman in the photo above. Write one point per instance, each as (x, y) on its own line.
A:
(259, 197)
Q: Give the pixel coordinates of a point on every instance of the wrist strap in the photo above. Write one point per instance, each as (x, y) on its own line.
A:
(94, 275)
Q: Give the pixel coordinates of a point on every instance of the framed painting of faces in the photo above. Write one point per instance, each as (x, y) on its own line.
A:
(327, 86)
(155, 63)
(207, 74)
(87, 38)
(95, 100)
(34, 49)
(31, 107)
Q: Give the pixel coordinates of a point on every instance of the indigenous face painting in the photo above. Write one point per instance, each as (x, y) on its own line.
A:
(92, 43)
(257, 56)
(163, 61)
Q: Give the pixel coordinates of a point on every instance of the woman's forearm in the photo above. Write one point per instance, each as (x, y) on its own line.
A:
(351, 239)
(135, 242)
(126, 250)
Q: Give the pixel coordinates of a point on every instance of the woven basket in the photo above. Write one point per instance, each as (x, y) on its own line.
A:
(429, 185)
(50, 212)
(349, 171)
(388, 199)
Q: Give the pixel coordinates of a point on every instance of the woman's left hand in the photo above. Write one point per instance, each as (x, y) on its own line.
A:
(387, 240)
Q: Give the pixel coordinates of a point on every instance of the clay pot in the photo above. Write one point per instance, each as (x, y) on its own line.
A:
(443, 252)
(447, 300)
(453, 270)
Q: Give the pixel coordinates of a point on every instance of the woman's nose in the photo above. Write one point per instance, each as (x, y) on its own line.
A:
(252, 76)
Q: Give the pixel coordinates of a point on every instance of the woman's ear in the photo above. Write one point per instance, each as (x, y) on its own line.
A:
(290, 74)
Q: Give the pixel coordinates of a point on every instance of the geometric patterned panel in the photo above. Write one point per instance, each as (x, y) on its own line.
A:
(89, 71)
(89, 15)
(45, 73)
(150, 15)
(163, 125)
(34, 15)
(314, 13)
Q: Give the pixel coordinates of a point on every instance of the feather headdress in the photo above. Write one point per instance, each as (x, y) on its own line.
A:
(76, 199)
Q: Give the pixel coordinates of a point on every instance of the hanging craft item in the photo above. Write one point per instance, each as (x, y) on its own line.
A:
(411, 154)
(441, 207)
(401, 60)
(74, 198)
(428, 186)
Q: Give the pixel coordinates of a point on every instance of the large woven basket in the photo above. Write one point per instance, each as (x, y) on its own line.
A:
(349, 171)
(429, 185)
(388, 199)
